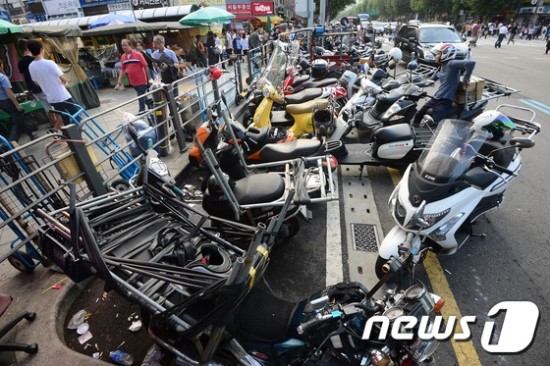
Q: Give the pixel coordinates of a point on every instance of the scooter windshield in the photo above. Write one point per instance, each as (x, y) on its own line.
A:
(451, 151)
(285, 54)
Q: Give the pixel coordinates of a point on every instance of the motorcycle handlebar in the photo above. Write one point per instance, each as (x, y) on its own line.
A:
(503, 169)
(305, 326)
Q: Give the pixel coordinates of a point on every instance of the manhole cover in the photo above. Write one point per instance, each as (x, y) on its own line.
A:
(364, 237)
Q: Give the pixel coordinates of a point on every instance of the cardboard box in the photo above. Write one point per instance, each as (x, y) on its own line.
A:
(474, 92)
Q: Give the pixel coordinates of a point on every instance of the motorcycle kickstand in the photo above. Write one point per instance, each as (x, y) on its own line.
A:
(306, 213)
(478, 235)
(361, 167)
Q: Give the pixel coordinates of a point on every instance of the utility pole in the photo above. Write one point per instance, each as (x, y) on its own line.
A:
(323, 12)
(310, 9)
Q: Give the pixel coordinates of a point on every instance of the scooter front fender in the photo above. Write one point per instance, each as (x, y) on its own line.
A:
(392, 241)
(263, 113)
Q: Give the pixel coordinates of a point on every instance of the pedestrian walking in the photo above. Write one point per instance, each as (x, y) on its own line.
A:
(140, 47)
(10, 105)
(135, 68)
(244, 44)
(201, 51)
(166, 61)
(513, 31)
(502, 32)
(213, 50)
(547, 46)
(48, 76)
(227, 35)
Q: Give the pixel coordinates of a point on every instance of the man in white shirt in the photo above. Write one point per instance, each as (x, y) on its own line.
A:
(502, 32)
(48, 76)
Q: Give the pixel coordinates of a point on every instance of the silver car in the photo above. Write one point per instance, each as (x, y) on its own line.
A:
(421, 38)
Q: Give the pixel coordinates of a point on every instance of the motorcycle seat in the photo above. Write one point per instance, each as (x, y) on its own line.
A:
(319, 83)
(298, 79)
(390, 85)
(398, 132)
(303, 96)
(389, 98)
(306, 107)
(259, 188)
(289, 150)
(280, 118)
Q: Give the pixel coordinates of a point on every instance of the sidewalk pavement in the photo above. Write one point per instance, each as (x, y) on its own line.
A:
(37, 291)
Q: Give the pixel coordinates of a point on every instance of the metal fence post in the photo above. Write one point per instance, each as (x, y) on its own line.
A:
(176, 118)
(239, 74)
(83, 159)
(216, 90)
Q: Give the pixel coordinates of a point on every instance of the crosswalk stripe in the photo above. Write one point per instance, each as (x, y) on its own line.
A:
(537, 105)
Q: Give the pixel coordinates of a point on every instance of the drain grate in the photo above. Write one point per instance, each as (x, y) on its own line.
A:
(364, 237)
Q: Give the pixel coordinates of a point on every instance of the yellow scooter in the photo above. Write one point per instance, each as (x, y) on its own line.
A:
(295, 116)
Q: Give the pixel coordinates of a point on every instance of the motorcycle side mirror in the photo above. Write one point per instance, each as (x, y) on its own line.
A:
(522, 142)
(392, 65)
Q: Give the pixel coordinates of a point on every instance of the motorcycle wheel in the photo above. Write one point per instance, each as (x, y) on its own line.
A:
(289, 229)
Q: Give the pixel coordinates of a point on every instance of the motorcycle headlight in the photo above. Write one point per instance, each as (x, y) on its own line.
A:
(433, 219)
(441, 233)
(266, 92)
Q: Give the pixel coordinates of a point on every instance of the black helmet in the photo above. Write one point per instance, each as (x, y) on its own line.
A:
(323, 122)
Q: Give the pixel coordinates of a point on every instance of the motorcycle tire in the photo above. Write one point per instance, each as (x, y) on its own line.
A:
(289, 229)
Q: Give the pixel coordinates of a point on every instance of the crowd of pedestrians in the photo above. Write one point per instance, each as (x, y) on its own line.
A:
(510, 31)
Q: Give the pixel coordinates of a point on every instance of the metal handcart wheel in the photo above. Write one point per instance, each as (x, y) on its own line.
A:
(22, 262)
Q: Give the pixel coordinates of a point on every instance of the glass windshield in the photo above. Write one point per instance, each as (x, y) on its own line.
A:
(438, 34)
(285, 54)
(451, 150)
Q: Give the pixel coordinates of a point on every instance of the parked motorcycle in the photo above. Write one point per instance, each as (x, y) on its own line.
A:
(463, 174)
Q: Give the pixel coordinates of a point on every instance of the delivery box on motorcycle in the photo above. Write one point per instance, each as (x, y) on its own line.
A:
(474, 91)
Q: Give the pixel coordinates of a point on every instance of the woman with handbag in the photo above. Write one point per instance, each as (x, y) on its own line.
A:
(9, 103)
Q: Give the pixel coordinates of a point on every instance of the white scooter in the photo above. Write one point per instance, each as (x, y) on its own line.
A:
(463, 174)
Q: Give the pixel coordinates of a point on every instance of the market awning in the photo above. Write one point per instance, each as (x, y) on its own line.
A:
(146, 14)
(275, 19)
(132, 28)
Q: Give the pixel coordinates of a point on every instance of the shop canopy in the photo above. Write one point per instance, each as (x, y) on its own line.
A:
(132, 28)
(275, 19)
(52, 31)
(153, 14)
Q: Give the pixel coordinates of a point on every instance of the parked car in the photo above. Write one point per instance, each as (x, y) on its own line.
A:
(378, 27)
(421, 38)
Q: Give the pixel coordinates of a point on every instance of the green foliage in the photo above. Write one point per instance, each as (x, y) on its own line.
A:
(333, 7)
(440, 10)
